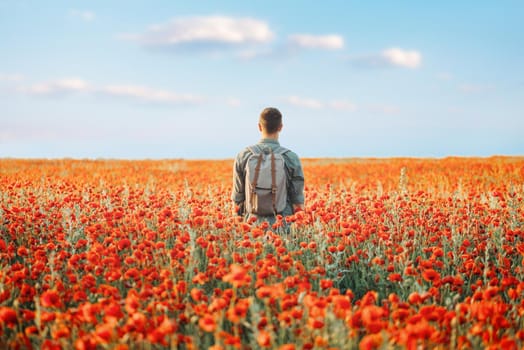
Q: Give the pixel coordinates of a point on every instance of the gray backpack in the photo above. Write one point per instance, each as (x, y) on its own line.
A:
(266, 181)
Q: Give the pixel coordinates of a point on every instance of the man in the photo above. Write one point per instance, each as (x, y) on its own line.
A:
(270, 125)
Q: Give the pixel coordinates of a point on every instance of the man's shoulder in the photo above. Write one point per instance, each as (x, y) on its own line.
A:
(258, 147)
(244, 154)
(289, 153)
(292, 159)
(244, 151)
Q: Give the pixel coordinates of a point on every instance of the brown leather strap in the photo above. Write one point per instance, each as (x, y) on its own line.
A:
(273, 183)
(255, 181)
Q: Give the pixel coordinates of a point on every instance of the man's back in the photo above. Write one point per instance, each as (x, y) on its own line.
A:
(293, 169)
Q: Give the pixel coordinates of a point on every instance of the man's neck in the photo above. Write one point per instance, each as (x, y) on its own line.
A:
(270, 136)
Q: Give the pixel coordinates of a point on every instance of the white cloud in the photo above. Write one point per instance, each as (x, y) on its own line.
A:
(84, 15)
(304, 102)
(342, 105)
(250, 38)
(403, 58)
(62, 87)
(206, 30)
(309, 103)
(384, 109)
(474, 88)
(308, 41)
(56, 87)
(11, 77)
(73, 84)
(393, 57)
(147, 94)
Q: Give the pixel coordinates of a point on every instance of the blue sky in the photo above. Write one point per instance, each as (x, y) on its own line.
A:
(188, 79)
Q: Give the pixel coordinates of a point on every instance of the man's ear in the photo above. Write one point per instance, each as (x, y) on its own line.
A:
(259, 127)
(280, 127)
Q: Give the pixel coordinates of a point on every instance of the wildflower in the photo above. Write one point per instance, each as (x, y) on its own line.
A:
(60, 331)
(22, 251)
(490, 293)
(157, 336)
(216, 347)
(104, 332)
(430, 275)
(132, 302)
(315, 323)
(395, 277)
(238, 311)
(370, 341)
(414, 298)
(287, 347)
(237, 276)
(263, 339)
(372, 318)
(326, 284)
(8, 317)
(49, 344)
(50, 298)
(207, 323)
(321, 342)
(132, 273)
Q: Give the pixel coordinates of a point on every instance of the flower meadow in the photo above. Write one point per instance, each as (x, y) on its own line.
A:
(388, 254)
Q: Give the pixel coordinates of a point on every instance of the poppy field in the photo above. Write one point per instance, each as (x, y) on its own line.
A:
(388, 254)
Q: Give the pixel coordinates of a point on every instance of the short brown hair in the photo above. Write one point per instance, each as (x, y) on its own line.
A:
(270, 120)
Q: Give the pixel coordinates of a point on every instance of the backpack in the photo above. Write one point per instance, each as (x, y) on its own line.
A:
(266, 181)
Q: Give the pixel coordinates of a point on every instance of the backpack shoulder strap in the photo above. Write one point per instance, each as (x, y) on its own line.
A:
(254, 149)
(257, 173)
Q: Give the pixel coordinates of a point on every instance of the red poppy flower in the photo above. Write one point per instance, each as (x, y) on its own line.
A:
(395, 277)
(8, 316)
(264, 339)
(430, 275)
(50, 298)
(238, 276)
(207, 323)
